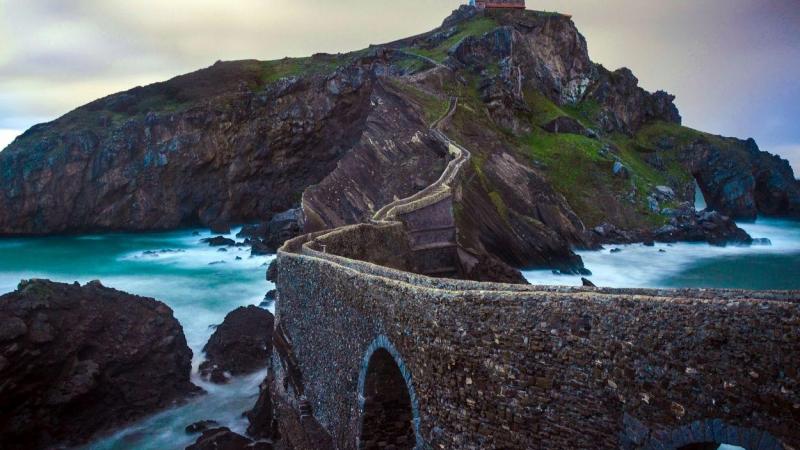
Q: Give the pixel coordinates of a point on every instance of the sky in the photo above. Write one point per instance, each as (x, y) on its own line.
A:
(734, 65)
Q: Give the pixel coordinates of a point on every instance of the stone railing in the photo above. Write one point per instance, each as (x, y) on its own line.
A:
(438, 189)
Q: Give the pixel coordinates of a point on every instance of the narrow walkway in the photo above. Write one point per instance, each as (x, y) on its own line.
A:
(439, 188)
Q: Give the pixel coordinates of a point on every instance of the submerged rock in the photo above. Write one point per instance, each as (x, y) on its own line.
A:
(85, 359)
(225, 439)
(241, 344)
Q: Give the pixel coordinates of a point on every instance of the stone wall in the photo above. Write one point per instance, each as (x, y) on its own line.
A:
(501, 366)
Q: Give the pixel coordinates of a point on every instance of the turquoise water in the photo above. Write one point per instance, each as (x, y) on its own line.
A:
(200, 283)
(775, 266)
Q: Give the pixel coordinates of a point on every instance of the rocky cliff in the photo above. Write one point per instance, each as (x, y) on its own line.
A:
(560, 146)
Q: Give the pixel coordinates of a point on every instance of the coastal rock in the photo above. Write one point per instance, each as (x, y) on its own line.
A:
(83, 360)
(240, 345)
(219, 241)
(266, 238)
(225, 439)
(709, 226)
(201, 426)
(272, 271)
(739, 180)
(260, 417)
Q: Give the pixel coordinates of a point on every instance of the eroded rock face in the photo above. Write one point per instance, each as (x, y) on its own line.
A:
(395, 157)
(215, 147)
(240, 345)
(739, 180)
(84, 359)
(626, 106)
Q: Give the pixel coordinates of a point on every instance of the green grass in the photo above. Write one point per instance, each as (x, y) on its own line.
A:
(474, 27)
(585, 112)
(499, 204)
(273, 71)
(543, 110)
(432, 106)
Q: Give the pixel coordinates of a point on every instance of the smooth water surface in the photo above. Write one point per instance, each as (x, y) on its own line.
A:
(200, 283)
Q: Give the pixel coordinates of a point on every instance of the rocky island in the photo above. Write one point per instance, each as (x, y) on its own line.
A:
(561, 148)
(403, 186)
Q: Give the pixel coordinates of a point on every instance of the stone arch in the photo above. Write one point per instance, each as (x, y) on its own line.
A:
(383, 364)
(715, 431)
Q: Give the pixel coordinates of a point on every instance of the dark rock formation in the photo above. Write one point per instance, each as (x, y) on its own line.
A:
(708, 226)
(81, 360)
(219, 241)
(738, 179)
(267, 238)
(201, 426)
(240, 345)
(564, 124)
(213, 147)
(685, 225)
(225, 439)
(261, 418)
(626, 106)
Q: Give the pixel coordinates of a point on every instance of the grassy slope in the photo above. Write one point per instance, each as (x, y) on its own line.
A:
(475, 27)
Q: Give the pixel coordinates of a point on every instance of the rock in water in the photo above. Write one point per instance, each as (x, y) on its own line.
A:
(219, 241)
(225, 439)
(85, 359)
(201, 426)
(260, 417)
(242, 344)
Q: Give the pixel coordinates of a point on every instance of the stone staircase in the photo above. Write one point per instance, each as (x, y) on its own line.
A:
(428, 215)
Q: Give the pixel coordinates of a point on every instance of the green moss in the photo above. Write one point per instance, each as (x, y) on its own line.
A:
(272, 71)
(543, 110)
(585, 112)
(474, 27)
(432, 106)
(411, 65)
(499, 204)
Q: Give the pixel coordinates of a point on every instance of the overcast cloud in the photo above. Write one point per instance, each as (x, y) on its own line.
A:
(733, 64)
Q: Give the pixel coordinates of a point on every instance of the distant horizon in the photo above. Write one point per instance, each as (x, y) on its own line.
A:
(733, 76)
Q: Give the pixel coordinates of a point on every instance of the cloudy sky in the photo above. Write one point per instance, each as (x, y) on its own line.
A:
(733, 64)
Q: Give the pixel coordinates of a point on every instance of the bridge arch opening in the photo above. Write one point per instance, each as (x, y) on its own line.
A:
(388, 405)
(711, 446)
(714, 434)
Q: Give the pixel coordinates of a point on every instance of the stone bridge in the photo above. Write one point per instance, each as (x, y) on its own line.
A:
(371, 353)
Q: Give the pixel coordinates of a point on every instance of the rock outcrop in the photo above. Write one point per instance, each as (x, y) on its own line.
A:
(240, 345)
(560, 144)
(79, 360)
(225, 439)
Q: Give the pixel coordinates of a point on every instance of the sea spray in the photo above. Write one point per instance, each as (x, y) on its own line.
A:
(695, 264)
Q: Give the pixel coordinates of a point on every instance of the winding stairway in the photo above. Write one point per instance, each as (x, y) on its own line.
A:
(428, 214)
